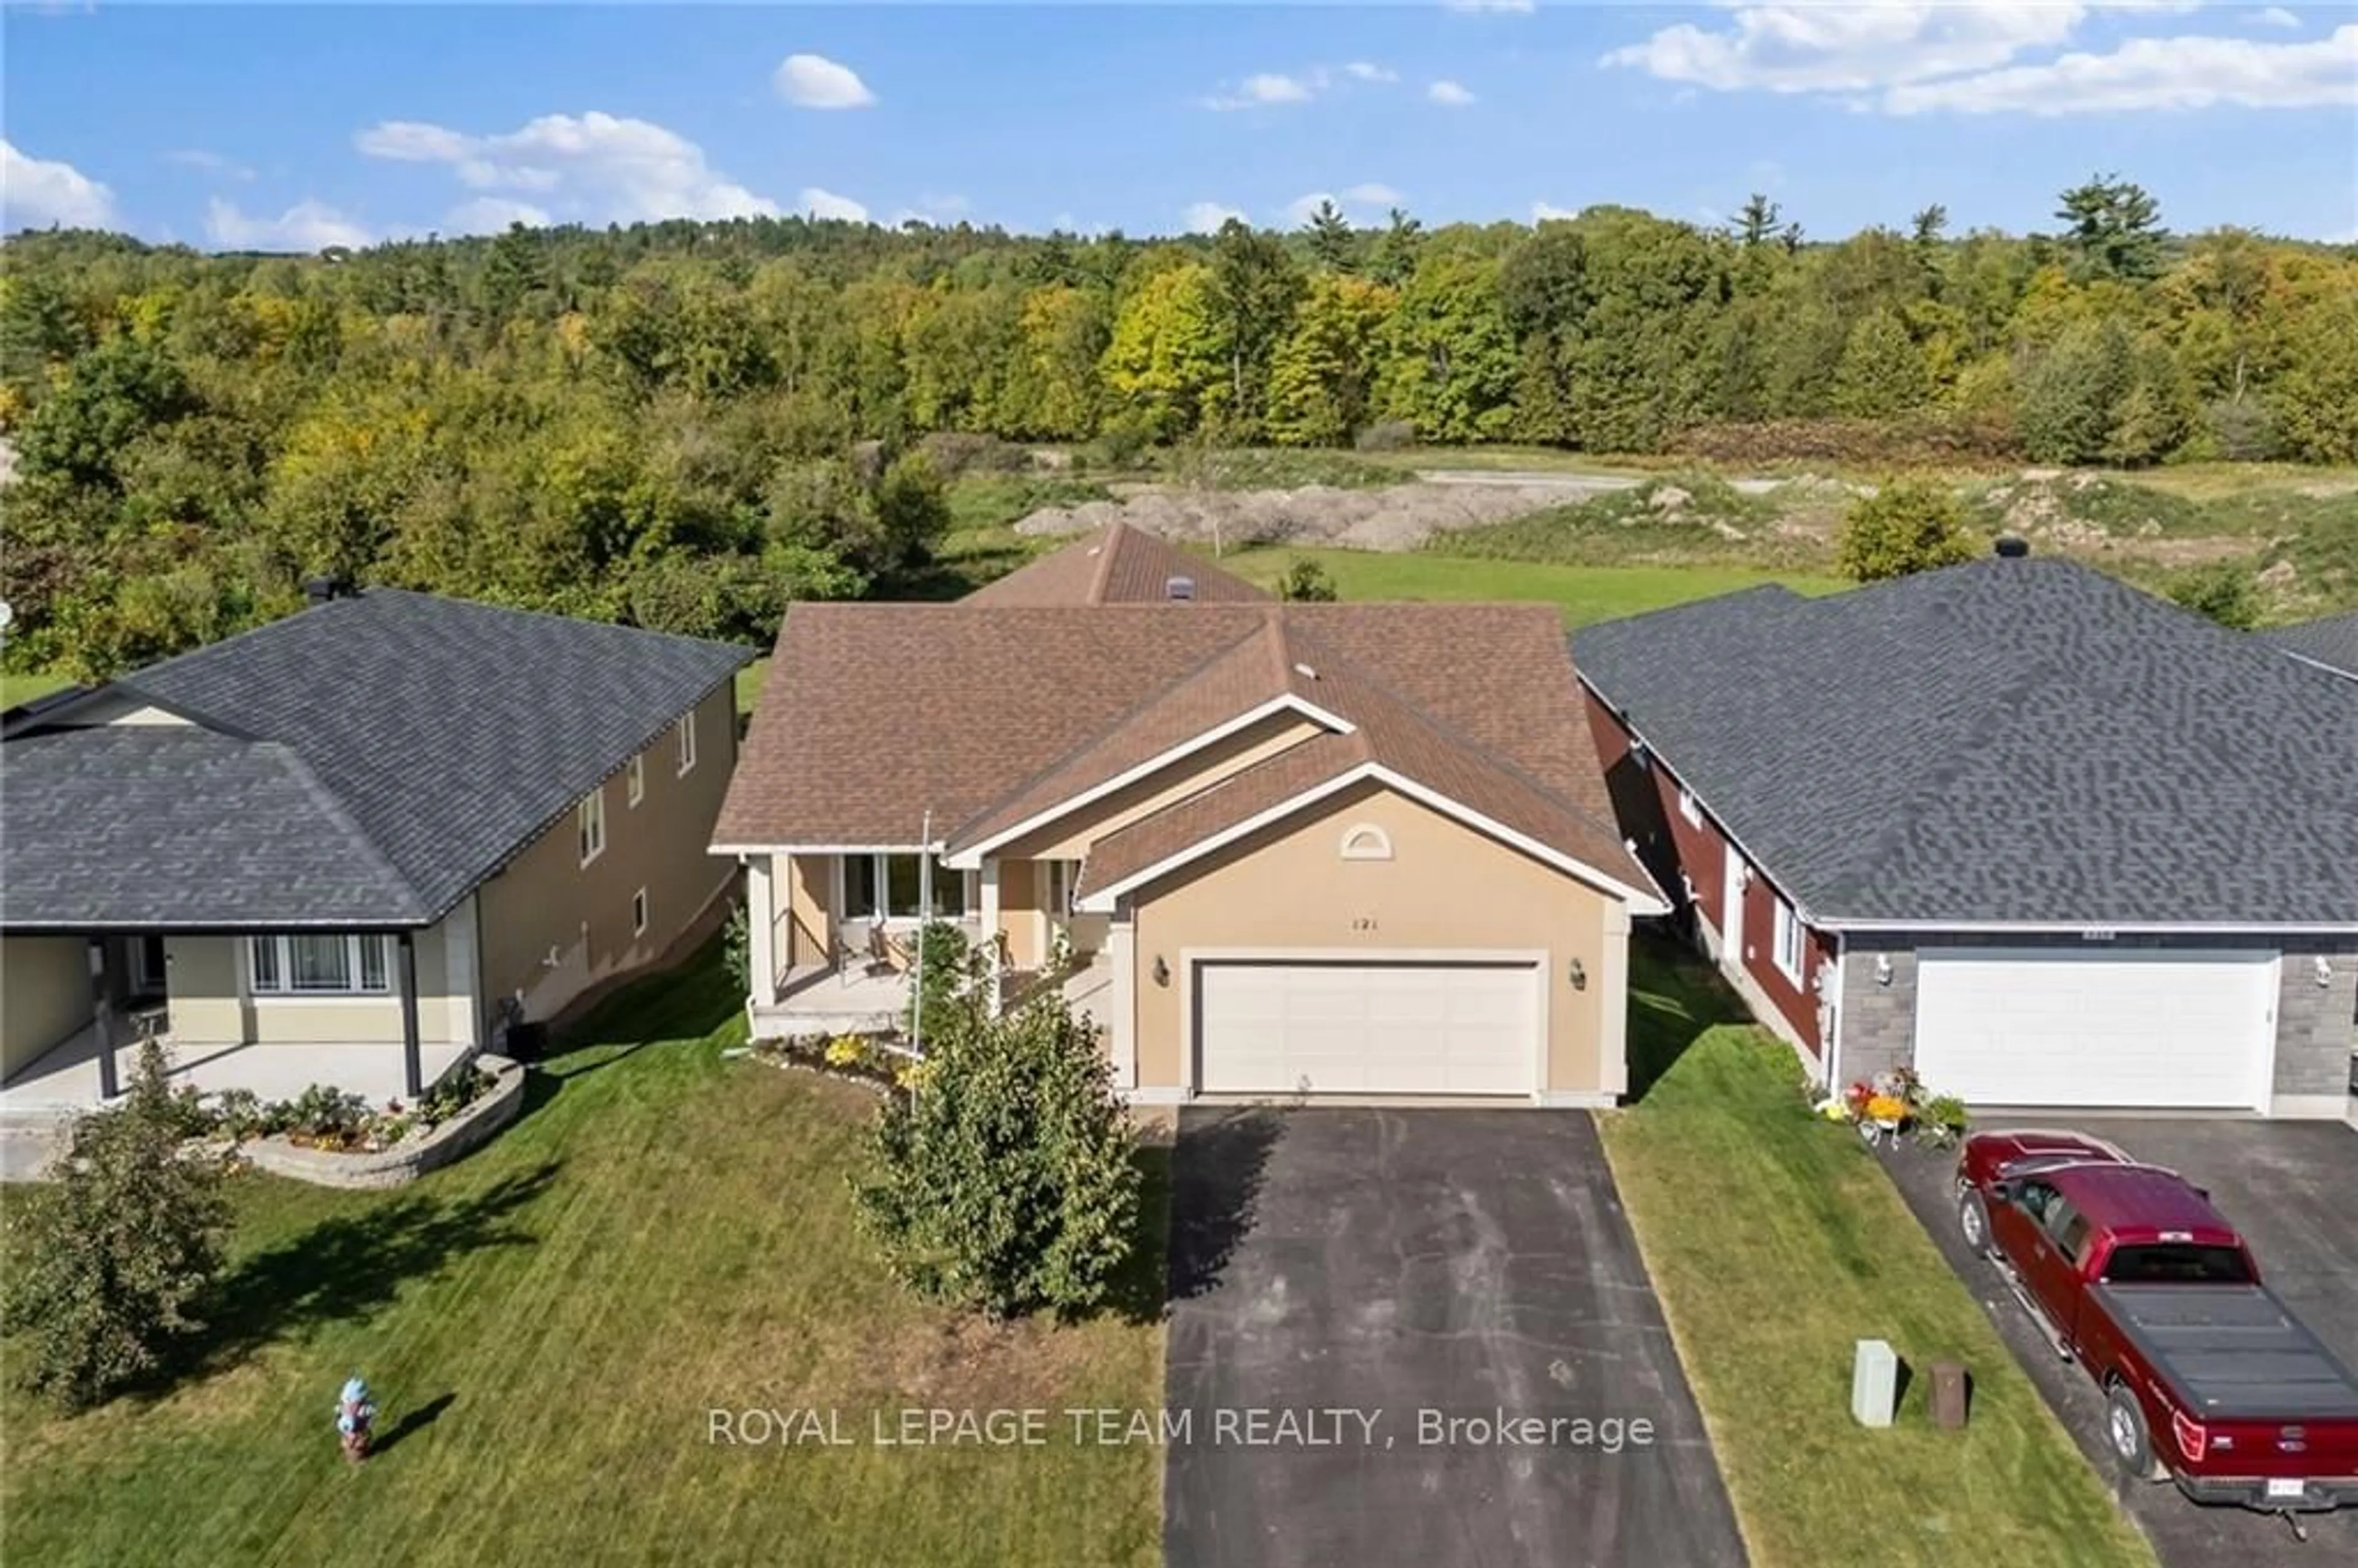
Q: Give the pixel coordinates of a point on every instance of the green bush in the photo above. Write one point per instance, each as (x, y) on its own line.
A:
(1908, 525)
(1306, 582)
(1005, 1178)
(2227, 593)
(949, 973)
(109, 1266)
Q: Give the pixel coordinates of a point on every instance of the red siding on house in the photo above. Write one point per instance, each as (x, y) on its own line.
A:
(1701, 853)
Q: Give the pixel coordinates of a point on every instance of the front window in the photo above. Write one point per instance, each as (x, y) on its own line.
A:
(1789, 942)
(637, 790)
(890, 887)
(321, 964)
(686, 732)
(1689, 807)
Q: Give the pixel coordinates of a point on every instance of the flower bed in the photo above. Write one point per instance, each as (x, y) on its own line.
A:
(333, 1138)
(875, 1060)
(1894, 1105)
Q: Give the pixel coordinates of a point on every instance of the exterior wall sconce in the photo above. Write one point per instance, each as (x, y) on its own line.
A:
(1578, 976)
(1883, 969)
(1161, 972)
(2322, 970)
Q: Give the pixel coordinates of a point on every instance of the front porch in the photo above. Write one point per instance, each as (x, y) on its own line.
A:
(851, 998)
(66, 1080)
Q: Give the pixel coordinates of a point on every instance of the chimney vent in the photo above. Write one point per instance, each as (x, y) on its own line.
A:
(2012, 547)
(1179, 587)
(320, 590)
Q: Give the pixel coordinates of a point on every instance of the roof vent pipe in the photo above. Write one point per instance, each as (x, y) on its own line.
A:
(2012, 547)
(1181, 589)
(320, 590)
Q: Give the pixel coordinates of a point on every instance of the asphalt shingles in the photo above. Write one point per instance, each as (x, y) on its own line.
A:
(2008, 741)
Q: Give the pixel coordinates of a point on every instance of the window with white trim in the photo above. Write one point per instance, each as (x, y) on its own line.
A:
(330, 963)
(591, 822)
(685, 732)
(1061, 875)
(1789, 942)
(890, 887)
(639, 913)
(1366, 842)
(1689, 807)
(635, 780)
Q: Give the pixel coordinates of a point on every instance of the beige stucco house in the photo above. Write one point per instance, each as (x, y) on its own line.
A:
(352, 846)
(1272, 850)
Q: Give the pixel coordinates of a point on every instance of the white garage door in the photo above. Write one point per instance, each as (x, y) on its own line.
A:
(1368, 1028)
(2063, 1028)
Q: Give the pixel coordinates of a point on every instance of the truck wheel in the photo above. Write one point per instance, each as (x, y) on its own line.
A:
(1973, 1222)
(2126, 1434)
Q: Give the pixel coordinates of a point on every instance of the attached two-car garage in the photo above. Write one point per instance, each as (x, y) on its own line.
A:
(1411, 1027)
(2158, 1028)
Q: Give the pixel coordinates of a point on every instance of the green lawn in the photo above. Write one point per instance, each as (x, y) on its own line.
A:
(16, 687)
(1775, 1243)
(548, 1324)
(1582, 593)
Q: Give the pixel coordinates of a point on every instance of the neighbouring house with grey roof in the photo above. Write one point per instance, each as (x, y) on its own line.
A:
(352, 846)
(2329, 643)
(2050, 839)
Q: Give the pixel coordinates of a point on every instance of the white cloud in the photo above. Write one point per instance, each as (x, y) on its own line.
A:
(592, 168)
(822, 204)
(492, 214)
(1205, 217)
(1910, 57)
(209, 162)
(815, 81)
(1547, 211)
(1449, 94)
(1368, 200)
(2273, 17)
(36, 192)
(306, 226)
(1263, 90)
(1368, 71)
(2155, 73)
(941, 211)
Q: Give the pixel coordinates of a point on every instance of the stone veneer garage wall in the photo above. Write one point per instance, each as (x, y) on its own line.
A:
(2315, 1032)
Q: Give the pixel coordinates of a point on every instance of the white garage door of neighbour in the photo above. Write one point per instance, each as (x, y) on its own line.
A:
(2039, 1028)
(1368, 1028)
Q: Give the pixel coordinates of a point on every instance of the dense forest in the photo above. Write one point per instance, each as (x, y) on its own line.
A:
(686, 425)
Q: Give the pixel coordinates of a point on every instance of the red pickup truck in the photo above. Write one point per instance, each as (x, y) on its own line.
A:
(2130, 1272)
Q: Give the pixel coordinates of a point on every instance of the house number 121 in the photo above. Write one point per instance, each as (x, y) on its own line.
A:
(1363, 923)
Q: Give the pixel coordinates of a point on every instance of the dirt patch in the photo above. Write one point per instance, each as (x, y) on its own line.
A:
(1397, 517)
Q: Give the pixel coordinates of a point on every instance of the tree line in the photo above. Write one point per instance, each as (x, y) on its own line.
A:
(685, 425)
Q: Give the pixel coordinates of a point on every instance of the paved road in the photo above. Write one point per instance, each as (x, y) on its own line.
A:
(1368, 1266)
(2292, 1188)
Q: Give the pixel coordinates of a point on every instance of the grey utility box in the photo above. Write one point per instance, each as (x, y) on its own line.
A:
(1873, 1383)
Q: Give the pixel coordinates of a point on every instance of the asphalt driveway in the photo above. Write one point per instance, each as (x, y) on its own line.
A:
(1363, 1298)
(2292, 1188)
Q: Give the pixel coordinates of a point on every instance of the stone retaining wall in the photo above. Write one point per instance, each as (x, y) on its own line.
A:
(408, 1160)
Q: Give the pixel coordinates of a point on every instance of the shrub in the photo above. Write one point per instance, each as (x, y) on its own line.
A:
(737, 945)
(1908, 526)
(323, 1114)
(446, 1099)
(1306, 582)
(949, 969)
(1386, 435)
(112, 1262)
(2227, 593)
(1005, 1178)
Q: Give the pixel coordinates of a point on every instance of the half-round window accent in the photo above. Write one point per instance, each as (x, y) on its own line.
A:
(1366, 842)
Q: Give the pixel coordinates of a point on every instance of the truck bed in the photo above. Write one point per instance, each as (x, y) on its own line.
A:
(2233, 1352)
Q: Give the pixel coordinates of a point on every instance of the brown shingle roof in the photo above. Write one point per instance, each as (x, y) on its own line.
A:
(876, 714)
(1116, 564)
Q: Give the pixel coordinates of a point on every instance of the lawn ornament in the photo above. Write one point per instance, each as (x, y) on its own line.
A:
(355, 1416)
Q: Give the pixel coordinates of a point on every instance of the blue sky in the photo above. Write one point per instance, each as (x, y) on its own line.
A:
(294, 126)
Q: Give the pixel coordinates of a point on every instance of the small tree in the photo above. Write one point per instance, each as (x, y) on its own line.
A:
(112, 1261)
(1908, 526)
(1306, 582)
(1004, 1177)
(2227, 593)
